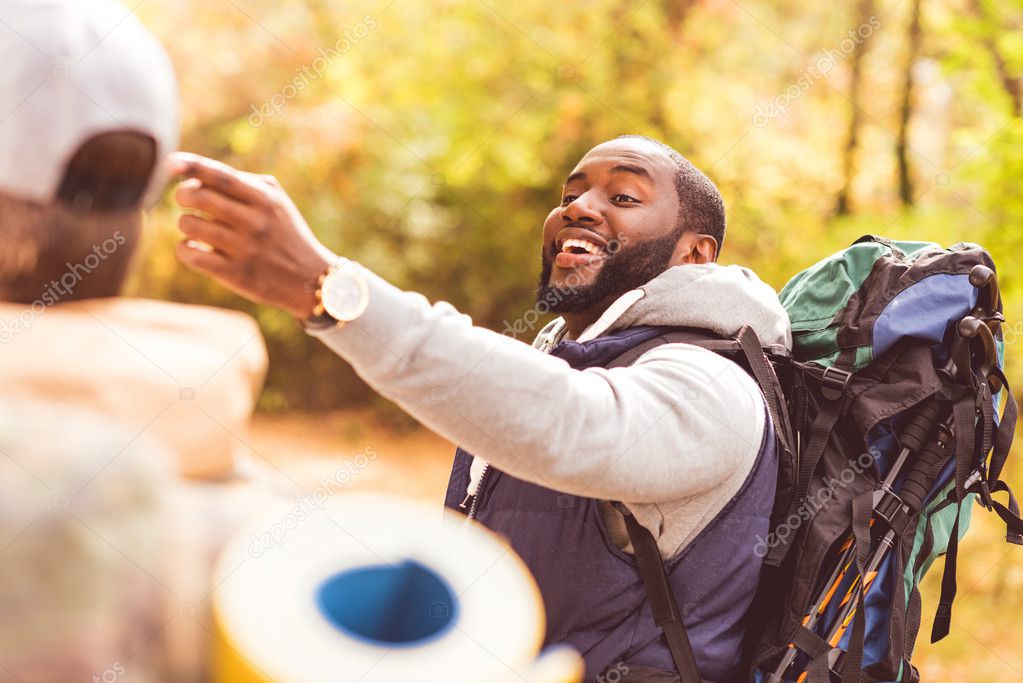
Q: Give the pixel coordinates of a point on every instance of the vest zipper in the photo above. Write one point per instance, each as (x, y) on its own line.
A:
(479, 490)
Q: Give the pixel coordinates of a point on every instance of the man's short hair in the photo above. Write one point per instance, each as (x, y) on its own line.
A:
(701, 208)
(90, 230)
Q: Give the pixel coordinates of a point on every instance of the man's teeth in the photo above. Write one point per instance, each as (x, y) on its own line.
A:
(586, 245)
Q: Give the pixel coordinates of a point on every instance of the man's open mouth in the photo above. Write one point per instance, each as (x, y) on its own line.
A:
(580, 246)
(579, 252)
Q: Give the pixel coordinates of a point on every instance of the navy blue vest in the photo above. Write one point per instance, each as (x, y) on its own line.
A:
(594, 598)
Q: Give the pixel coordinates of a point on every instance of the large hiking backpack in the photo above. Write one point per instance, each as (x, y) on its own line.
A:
(889, 429)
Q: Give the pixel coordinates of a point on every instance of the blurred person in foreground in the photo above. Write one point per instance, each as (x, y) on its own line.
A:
(88, 111)
(85, 123)
(80, 600)
(549, 436)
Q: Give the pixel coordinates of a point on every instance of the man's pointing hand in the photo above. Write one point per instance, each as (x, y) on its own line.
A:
(243, 230)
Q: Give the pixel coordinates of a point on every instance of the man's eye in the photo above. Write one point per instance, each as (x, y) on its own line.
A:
(624, 198)
(568, 199)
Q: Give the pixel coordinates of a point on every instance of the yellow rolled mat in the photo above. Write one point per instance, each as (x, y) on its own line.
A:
(376, 589)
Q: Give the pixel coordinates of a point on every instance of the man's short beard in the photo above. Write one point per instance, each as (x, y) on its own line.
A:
(624, 270)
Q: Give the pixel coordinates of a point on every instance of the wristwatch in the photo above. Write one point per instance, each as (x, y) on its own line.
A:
(342, 295)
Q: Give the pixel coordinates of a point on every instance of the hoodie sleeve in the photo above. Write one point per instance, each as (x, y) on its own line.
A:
(678, 422)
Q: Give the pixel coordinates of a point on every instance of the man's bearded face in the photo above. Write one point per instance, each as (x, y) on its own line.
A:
(616, 229)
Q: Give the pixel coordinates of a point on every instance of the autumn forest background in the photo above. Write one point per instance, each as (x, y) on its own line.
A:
(429, 139)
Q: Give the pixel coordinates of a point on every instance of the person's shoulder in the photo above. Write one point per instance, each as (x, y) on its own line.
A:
(711, 383)
(187, 374)
(201, 320)
(212, 342)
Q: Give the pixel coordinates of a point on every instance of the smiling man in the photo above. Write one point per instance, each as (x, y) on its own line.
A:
(567, 453)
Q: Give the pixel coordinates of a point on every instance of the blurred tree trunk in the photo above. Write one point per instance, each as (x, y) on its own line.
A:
(864, 11)
(913, 36)
(675, 13)
(1012, 84)
(631, 65)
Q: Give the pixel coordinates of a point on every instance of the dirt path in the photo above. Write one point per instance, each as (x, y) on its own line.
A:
(357, 449)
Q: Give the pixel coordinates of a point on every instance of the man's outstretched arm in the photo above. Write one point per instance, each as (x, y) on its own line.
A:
(680, 421)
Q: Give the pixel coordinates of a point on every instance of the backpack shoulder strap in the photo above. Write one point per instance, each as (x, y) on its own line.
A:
(651, 569)
(697, 337)
(746, 345)
(662, 600)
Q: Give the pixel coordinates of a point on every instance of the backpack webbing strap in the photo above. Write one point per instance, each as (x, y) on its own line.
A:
(928, 545)
(943, 615)
(1002, 442)
(764, 374)
(913, 613)
(1009, 514)
(809, 642)
(697, 337)
(649, 564)
(965, 428)
(862, 510)
(820, 435)
(910, 674)
(1006, 428)
(964, 412)
(818, 670)
(662, 600)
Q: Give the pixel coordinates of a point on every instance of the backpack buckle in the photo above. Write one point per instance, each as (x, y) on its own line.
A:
(977, 483)
(890, 509)
(834, 382)
(985, 494)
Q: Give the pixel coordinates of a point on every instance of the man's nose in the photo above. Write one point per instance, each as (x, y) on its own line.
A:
(583, 209)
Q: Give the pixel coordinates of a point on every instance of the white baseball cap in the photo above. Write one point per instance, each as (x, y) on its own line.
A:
(74, 69)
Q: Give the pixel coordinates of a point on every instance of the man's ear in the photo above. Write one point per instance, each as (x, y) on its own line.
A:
(694, 247)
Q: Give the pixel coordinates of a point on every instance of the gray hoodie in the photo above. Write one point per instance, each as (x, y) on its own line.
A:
(673, 436)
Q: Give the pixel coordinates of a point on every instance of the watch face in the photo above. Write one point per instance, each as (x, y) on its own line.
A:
(345, 295)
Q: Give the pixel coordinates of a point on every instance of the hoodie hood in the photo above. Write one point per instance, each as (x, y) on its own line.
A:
(718, 298)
